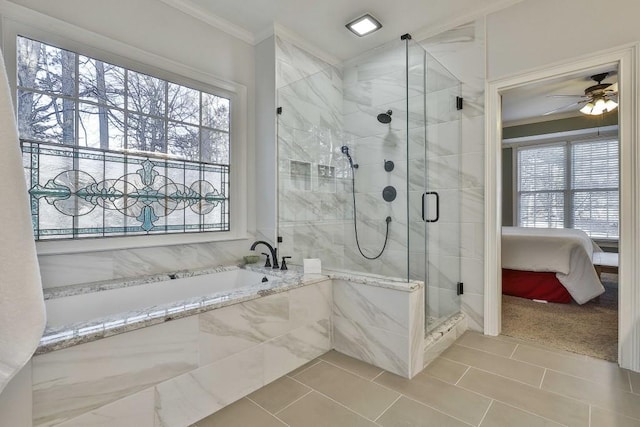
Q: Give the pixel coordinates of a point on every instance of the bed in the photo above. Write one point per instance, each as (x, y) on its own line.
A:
(549, 264)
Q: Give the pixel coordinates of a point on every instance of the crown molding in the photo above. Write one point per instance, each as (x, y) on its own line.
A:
(192, 9)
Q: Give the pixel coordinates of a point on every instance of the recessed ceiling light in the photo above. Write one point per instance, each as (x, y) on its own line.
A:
(364, 25)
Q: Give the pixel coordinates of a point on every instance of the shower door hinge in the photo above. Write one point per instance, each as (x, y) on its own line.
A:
(460, 288)
(459, 100)
(279, 239)
(279, 110)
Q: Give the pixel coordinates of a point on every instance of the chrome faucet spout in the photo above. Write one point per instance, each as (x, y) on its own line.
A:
(274, 251)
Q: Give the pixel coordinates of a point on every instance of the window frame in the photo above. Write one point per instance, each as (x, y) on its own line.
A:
(567, 140)
(67, 36)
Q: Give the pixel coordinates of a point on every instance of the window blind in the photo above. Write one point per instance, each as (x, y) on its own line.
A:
(570, 185)
(541, 186)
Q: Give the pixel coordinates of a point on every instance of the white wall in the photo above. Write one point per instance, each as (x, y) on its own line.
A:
(537, 32)
(157, 29)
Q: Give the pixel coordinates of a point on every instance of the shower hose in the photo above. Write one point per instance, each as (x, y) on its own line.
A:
(355, 220)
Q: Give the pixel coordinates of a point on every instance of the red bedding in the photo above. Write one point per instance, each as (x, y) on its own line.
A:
(534, 285)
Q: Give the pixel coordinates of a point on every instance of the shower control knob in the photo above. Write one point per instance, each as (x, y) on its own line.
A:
(389, 193)
(388, 165)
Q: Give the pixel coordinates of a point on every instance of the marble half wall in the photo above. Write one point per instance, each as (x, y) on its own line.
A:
(379, 325)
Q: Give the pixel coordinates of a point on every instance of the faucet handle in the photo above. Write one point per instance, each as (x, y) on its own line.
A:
(284, 262)
(268, 262)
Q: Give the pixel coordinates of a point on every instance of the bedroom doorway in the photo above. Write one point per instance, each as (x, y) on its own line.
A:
(624, 61)
(560, 212)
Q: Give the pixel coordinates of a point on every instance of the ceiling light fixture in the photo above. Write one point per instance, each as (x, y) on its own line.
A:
(599, 106)
(364, 25)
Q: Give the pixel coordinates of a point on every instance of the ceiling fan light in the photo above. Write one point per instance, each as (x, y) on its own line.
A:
(587, 108)
(599, 107)
(611, 105)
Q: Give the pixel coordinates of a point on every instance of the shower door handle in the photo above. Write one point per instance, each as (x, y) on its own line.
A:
(430, 193)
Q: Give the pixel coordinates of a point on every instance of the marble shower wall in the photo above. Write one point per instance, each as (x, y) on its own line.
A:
(374, 83)
(461, 51)
(312, 172)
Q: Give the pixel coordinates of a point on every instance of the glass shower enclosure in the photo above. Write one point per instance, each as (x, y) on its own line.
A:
(369, 158)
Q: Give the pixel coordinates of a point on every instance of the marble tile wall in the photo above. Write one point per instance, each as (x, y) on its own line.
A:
(178, 372)
(381, 326)
(312, 206)
(63, 270)
(375, 83)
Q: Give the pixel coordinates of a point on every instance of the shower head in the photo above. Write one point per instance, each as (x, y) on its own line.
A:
(385, 118)
(345, 151)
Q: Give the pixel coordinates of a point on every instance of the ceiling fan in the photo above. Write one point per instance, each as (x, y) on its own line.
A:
(597, 99)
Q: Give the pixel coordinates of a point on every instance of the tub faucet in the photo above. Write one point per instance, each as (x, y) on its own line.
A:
(274, 251)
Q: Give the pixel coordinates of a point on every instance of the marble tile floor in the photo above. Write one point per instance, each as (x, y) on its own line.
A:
(478, 381)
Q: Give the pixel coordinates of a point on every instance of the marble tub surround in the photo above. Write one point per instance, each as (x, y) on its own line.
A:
(180, 371)
(381, 323)
(62, 336)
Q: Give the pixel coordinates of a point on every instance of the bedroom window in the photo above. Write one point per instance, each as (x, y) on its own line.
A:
(108, 151)
(570, 185)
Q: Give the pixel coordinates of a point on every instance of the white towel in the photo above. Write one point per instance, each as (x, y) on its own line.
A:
(22, 313)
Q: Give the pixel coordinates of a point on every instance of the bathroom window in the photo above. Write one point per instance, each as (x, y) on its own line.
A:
(570, 185)
(109, 151)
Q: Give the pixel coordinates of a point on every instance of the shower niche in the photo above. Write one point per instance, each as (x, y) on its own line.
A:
(381, 138)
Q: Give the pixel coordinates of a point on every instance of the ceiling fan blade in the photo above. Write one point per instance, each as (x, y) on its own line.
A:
(564, 108)
(565, 96)
(612, 88)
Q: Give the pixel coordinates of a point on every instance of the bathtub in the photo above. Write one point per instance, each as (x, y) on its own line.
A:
(83, 313)
(173, 348)
(134, 297)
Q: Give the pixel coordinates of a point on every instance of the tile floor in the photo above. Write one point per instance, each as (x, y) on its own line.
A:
(478, 381)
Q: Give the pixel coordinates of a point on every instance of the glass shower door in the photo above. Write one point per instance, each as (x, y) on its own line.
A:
(434, 142)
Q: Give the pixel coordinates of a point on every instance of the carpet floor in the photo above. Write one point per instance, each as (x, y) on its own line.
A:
(590, 329)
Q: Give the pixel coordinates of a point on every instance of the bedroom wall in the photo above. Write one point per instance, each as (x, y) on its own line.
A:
(508, 181)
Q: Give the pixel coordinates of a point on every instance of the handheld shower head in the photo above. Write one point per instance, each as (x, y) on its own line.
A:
(345, 151)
